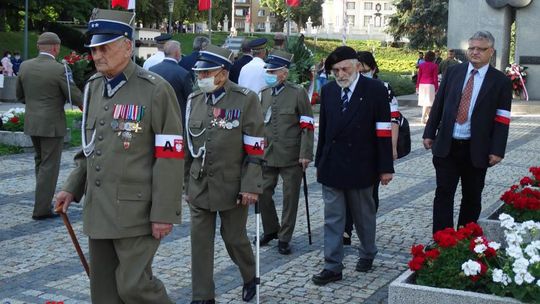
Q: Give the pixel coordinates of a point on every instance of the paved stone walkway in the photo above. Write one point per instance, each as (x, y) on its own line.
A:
(38, 262)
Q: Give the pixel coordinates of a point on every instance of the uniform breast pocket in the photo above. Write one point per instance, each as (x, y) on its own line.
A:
(134, 202)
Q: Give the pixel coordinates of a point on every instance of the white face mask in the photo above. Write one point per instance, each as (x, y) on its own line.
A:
(207, 85)
(17, 57)
(368, 74)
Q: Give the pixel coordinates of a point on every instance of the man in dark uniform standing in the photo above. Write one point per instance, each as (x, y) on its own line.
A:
(225, 140)
(130, 169)
(45, 120)
(241, 62)
(288, 122)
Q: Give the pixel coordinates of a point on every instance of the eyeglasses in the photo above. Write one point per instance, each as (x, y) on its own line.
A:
(479, 49)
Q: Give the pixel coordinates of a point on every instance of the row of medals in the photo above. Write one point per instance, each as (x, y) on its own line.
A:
(225, 119)
(124, 124)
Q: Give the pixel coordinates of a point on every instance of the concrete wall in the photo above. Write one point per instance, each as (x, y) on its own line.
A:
(465, 17)
(528, 44)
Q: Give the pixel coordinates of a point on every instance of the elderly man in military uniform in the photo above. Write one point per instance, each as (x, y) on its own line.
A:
(225, 140)
(45, 120)
(252, 74)
(130, 169)
(288, 134)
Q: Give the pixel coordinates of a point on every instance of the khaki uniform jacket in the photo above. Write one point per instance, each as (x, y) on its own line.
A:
(286, 139)
(227, 169)
(127, 189)
(42, 86)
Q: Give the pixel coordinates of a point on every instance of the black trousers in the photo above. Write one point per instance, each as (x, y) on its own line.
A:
(449, 170)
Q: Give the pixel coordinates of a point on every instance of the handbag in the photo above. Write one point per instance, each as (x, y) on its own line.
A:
(404, 137)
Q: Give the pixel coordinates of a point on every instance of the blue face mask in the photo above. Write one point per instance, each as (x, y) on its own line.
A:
(270, 79)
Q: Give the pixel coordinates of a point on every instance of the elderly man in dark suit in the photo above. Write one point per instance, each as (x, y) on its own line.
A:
(241, 62)
(199, 44)
(353, 153)
(177, 76)
(467, 131)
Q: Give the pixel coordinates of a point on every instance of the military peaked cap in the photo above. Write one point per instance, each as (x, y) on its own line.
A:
(164, 37)
(213, 57)
(258, 44)
(106, 26)
(278, 59)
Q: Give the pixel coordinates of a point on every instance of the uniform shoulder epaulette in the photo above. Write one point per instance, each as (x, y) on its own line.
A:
(265, 88)
(95, 76)
(293, 85)
(149, 76)
(194, 93)
(241, 90)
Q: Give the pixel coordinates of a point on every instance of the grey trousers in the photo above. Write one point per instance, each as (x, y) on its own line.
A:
(364, 214)
(121, 271)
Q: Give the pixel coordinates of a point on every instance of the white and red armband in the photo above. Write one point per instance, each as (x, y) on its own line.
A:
(502, 116)
(169, 146)
(253, 145)
(394, 112)
(306, 122)
(384, 129)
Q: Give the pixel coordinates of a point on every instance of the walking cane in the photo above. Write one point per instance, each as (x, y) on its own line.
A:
(257, 248)
(73, 238)
(307, 207)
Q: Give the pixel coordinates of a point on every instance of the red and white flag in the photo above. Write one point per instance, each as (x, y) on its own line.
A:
(126, 4)
(205, 5)
(253, 145)
(248, 16)
(384, 129)
(169, 146)
(502, 116)
(293, 2)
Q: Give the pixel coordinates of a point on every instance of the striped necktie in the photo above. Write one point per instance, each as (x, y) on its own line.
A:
(465, 102)
(344, 99)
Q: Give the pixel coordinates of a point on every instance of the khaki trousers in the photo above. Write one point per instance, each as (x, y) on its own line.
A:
(48, 153)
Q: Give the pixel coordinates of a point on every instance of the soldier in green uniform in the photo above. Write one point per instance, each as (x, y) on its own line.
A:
(288, 120)
(42, 84)
(130, 169)
(225, 140)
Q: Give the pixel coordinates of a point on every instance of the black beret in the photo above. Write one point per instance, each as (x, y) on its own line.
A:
(339, 54)
(163, 38)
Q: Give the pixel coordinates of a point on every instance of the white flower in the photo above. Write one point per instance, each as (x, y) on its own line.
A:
(494, 245)
(528, 278)
(507, 222)
(480, 248)
(518, 278)
(500, 277)
(514, 251)
(471, 268)
(520, 265)
(538, 282)
(513, 238)
(532, 250)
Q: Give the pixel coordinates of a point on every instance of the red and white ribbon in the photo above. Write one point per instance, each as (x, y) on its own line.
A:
(516, 70)
(306, 122)
(253, 145)
(503, 117)
(169, 146)
(384, 129)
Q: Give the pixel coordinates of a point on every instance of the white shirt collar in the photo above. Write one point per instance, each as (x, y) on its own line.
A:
(481, 71)
(171, 59)
(45, 53)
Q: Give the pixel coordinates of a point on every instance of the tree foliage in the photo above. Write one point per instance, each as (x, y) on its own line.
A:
(300, 14)
(423, 22)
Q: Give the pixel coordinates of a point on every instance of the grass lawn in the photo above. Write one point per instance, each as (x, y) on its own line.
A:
(14, 41)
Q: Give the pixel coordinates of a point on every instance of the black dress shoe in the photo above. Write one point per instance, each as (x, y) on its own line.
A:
(326, 276)
(44, 217)
(204, 302)
(284, 248)
(364, 265)
(266, 238)
(249, 290)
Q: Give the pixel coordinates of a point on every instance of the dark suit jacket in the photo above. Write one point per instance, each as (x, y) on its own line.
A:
(188, 62)
(350, 154)
(237, 66)
(489, 131)
(178, 77)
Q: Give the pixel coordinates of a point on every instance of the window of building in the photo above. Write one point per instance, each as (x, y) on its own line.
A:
(350, 5)
(272, 14)
(387, 19)
(260, 26)
(368, 6)
(387, 6)
(367, 20)
(240, 12)
(261, 13)
(350, 19)
(241, 1)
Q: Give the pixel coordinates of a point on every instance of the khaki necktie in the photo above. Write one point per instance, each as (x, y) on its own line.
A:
(465, 102)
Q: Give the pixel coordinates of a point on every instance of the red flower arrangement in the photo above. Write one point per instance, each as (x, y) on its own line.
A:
(522, 201)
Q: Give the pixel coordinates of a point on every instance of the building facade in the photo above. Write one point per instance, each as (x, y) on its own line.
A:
(357, 17)
(252, 11)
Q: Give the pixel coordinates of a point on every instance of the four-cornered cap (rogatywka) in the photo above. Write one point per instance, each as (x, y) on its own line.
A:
(106, 26)
(339, 54)
(214, 57)
(164, 37)
(278, 59)
(258, 44)
(48, 38)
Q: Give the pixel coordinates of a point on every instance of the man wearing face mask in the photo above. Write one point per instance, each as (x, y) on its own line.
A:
(16, 61)
(354, 152)
(226, 147)
(288, 122)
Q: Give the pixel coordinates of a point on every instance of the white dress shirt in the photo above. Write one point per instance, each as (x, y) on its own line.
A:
(463, 131)
(153, 60)
(252, 75)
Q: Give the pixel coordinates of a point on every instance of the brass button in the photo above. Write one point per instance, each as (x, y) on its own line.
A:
(100, 137)
(102, 122)
(139, 195)
(106, 108)
(98, 167)
(98, 152)
(98, 183)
